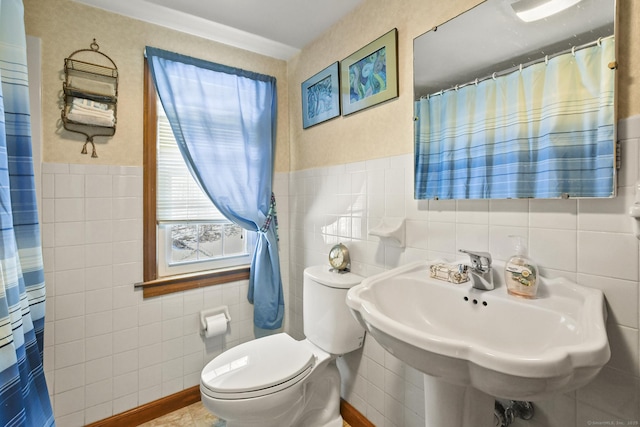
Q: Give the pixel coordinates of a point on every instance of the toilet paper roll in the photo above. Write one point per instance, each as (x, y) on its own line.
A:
(216, 325)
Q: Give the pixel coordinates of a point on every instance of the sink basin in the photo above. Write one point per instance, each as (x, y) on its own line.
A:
(501, 345)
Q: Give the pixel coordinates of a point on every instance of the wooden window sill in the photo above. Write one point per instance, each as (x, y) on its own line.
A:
(185, 282)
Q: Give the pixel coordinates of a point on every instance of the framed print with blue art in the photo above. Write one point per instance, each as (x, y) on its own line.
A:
(321, 97)
(370, 75)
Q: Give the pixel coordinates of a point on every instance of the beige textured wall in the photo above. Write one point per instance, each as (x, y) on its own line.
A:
(387, 129)
(381, 131)
(628, 58)
(65, 26)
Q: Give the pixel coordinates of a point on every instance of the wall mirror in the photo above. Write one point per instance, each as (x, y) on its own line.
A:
(515, 101)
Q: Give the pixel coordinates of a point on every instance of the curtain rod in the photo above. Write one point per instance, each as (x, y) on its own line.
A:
(520, 67)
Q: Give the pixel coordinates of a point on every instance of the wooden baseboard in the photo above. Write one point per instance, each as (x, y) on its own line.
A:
(160, 407)
(152, 410)
(352, 416)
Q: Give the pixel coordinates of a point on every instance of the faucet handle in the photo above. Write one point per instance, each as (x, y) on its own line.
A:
(480, 261)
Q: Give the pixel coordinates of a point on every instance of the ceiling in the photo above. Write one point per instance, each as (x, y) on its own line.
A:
(278, 28)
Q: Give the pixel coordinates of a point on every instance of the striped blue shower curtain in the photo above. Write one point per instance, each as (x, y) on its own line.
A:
(545, 131)
(24, 399)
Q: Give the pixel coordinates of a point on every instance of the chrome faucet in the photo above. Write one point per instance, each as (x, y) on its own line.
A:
(481, 271)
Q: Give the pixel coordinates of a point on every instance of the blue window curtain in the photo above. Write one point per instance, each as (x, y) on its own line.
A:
(24, 398)
(224, 121)
(544, 131)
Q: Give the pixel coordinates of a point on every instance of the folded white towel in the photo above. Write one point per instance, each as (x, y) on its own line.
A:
(87, 103)
(88, 119)
(92, 112)
(92, 86)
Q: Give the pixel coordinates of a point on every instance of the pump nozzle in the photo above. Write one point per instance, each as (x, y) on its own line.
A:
(519, 243)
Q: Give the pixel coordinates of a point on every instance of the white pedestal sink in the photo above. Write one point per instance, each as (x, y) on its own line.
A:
(474, 346)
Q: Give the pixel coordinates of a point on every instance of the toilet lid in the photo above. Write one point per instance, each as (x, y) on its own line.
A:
(257, 367)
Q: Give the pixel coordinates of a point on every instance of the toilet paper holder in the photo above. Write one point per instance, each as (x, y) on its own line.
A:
(212, 312)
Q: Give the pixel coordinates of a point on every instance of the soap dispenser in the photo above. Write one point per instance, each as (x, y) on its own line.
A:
(521, 273)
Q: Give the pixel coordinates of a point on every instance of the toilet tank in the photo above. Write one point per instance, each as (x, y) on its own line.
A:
(328, 323)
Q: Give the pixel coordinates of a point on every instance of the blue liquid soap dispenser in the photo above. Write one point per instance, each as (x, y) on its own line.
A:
(520, 272)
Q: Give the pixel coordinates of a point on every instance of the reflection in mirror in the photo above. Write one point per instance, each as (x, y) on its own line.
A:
(506, 108)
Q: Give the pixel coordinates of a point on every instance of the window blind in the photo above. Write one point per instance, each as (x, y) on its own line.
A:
(179, 197)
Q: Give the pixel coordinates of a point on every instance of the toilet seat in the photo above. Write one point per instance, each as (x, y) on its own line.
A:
(257, 368)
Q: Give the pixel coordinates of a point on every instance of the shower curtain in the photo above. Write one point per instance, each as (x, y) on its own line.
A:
(545, 131)
(24, 399)
(224, 121)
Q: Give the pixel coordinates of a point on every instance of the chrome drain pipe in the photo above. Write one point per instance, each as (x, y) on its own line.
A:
(506, 411)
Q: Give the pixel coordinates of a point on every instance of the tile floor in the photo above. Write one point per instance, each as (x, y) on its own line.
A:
(195, 415)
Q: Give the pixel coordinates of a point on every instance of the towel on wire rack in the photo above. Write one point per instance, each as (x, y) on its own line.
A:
(88, 103)
(92, 86)
(108, 114)
(87, 119)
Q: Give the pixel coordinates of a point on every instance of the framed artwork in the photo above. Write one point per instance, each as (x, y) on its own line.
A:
(370, 75)
(321, 96)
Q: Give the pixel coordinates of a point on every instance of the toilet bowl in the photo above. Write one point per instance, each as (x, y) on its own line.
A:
(277, 381)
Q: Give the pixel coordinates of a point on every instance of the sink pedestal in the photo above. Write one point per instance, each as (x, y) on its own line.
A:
(452, 405)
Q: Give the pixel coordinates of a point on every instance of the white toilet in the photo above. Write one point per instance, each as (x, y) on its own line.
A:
(278, 381)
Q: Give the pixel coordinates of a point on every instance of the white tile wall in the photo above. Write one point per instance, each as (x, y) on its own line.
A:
(106, 349)
(589, 241)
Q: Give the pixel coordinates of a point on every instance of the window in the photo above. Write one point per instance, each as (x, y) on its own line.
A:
(192, 234)
(187, 242)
